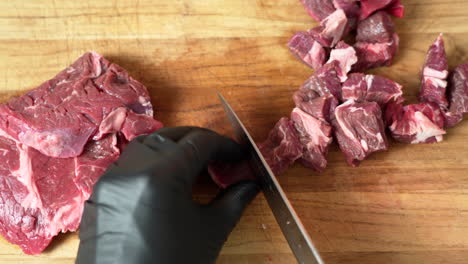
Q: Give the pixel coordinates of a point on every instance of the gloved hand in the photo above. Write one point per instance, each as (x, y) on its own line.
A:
(141, 210)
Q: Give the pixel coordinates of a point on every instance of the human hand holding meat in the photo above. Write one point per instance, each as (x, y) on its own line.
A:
(141, 209)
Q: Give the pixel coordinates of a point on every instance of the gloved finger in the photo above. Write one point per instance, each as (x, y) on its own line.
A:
(175, 133)
(201, 146)
(230, 204)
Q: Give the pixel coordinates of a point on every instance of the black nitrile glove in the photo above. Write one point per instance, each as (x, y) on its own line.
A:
(141, 210)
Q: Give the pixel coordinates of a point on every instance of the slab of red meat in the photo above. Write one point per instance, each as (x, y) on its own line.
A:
(434, 75)
(315, 136)
(331, 29)
(351, 9)
(378, 28)
(318, 9)
(282, 147)
(304, 47)
(359, 130)
(58, 139)
(372, 88)
(346, 57)
(416, 123)
(458, 95)
(371, 55)
(393, 7)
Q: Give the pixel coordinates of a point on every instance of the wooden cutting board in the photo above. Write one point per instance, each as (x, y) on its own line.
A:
(408, 205)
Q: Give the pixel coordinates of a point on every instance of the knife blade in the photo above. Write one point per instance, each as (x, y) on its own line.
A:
(290, 224)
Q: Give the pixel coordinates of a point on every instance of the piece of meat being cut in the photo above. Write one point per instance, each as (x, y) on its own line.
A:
(416, 123)
(304, 47)
(315, 136)
(434, 75)
(359, 130)
(458, 95)
(372, 88)
(319, 9)
(282, 147)
(346, 57)
(57, 140)
(320, 107)
(331, 29)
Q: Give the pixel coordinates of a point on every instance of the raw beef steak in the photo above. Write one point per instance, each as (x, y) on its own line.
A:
(306, 49)
(315, 137)
(416, 123)
(372, 88)
(282, 147)
(458, 95)
(359, 130)
(57, 140)
(434, 75)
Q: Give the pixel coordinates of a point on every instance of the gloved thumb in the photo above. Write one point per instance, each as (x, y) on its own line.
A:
(232, 201)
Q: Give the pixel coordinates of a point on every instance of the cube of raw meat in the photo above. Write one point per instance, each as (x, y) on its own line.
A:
(393, 7)
(371, 88)
(325, 81)
(56, 142)
(318, 9)
(307, 50)
(282, 147)
(416, 123)
(331, 29)
(320, 107)
(378, 28)
(371, 55)
(346, 57)
(315, 137)
(350, 7)
(434, 75)
(359, 130)
(458, 95)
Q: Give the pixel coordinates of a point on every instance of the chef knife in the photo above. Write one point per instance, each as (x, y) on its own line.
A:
(290, 224)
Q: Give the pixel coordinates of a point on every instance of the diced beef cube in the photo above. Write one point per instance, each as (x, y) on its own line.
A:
(393, 7)
(325, 81)
(346, 57)
(322, 107)
(315, 137)
(434, 75)
(416, 123)
(371, 55)
(282, 147)
(359, 130)
(307, 50)
(378, 28)
(331, 29)
(350, 7)
(458, 95)
(319, 9)
(372, 88)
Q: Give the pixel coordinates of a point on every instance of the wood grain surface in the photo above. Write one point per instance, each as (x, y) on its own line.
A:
(407, 205)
